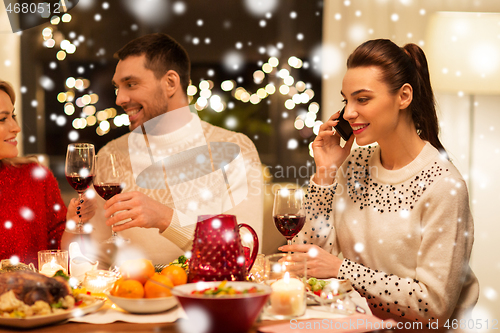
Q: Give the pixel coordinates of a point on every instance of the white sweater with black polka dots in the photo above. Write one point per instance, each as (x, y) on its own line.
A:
(406, 235)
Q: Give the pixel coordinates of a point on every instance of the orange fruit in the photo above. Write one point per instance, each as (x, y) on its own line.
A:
(137, 269)
(115, 286)
(154, 286)
(129, 289)
(176, 274)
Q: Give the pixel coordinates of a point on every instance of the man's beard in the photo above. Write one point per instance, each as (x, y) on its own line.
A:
(154, 110)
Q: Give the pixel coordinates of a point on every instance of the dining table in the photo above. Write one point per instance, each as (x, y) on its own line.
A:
(66, 327)
(113, 319)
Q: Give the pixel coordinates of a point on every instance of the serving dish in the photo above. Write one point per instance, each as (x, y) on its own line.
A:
(144, 305)
(222, 314)
(37, 321)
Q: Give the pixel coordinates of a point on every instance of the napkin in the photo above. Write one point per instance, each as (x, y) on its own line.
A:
(109, 314)
(355, 323)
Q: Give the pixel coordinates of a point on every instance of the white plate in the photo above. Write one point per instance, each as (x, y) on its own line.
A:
(36, 321)
(345, 287)
(144, 305)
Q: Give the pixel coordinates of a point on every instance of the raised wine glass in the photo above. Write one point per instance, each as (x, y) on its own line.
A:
(108, 183)
(79, 173)
(288, 212)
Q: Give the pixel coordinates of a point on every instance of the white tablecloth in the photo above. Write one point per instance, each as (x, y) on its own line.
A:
(110, 313)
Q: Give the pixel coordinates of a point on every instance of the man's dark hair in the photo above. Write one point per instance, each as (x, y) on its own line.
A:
(162, 52)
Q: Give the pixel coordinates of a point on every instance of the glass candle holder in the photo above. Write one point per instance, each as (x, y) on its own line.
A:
(99, 281)
(257, 273)
(51, 261)
(285, 274)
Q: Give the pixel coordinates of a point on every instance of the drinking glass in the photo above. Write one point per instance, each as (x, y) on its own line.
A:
(285, 274)
(51, 261)
(288, 212)
(79, 173)
(107, 183)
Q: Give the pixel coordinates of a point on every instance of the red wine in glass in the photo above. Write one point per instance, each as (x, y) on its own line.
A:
(79, 171)
(289, 225)
(107, 183)
(107, 190)
(288, 212)
(79, 183)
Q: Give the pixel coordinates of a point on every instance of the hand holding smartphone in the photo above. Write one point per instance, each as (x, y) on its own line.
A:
(343, 127)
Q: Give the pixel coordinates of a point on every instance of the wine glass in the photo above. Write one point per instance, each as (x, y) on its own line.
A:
(79, 173)
(108, 183)
(288, 212)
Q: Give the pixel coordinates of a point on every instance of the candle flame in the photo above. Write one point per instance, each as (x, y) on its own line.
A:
(286, 278)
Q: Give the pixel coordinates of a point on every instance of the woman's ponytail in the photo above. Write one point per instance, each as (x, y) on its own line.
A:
(423, 106)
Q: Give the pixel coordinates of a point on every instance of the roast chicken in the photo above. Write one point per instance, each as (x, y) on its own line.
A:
(30, 287)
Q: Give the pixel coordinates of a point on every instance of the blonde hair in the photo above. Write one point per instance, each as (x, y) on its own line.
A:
(15, 161)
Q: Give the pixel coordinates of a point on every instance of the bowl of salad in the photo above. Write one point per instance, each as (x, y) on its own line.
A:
(221, 306)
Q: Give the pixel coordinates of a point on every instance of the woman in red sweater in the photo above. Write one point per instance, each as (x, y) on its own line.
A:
(32, 213)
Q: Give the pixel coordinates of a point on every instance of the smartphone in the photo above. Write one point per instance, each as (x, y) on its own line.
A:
(343, 127)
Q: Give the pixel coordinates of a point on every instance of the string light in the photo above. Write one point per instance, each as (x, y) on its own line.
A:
(66, 18)
(270, 88)
(254, 99)
(227, 85)
(204, 85)
(192, 90)
(289, 104)
(284, 89)
(298, 124)
(313, 107)
(273, 61)
(70, 82)
(61, 55)
(69, 109)
(61, 97)
(267, 68)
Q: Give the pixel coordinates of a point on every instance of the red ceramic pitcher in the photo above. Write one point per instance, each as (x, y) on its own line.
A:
(217, 251)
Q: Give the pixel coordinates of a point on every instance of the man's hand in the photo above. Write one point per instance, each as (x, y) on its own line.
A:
(320, 263)
(143, 211)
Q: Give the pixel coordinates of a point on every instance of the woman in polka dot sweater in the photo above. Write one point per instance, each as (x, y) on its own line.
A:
(398, 211)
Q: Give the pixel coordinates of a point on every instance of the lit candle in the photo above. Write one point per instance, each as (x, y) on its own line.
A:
(99, 281)
(287, 298)
(50, 268)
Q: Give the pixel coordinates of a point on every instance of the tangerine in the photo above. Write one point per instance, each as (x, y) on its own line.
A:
(156, 286)
(137, 269)
(115, 286)
(176, 274)
(129, 289)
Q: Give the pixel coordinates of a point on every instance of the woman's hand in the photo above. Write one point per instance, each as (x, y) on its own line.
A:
(320, 263)
(81, 210)
(328, 154)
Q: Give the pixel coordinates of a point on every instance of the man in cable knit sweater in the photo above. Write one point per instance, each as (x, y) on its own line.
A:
(175, 165)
